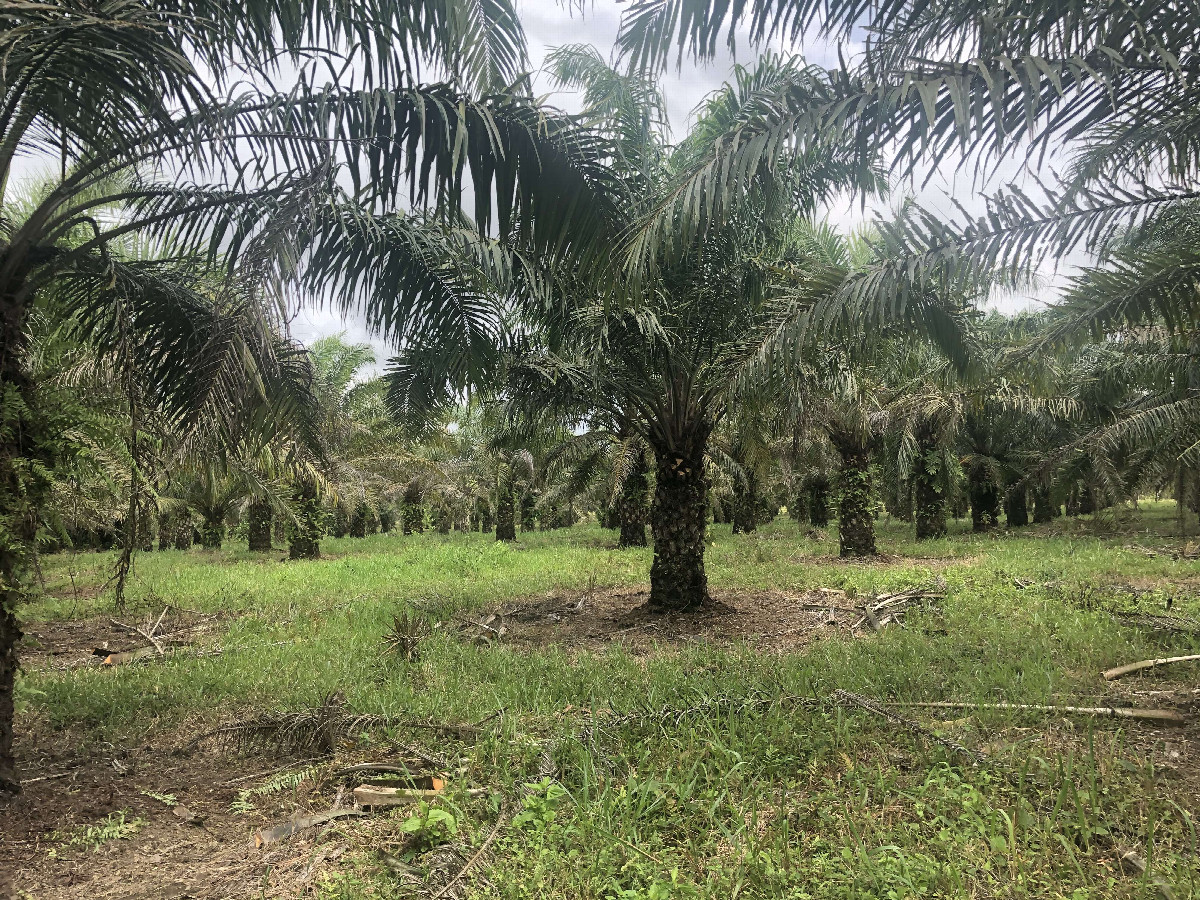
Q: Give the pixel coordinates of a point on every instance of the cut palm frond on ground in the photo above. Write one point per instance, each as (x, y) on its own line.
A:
(1165, 716)
(1130, 668)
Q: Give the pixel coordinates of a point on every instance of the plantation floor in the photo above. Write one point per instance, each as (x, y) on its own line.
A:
(595, 749)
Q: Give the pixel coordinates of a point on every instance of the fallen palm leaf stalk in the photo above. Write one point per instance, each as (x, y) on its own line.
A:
(420, 788)
(888, 608)
(266, 836)
(1129, 668)
(316, 729)
(842, 697)
(1165, 716)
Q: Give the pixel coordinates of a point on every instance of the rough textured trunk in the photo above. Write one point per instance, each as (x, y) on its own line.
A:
(279, 531)
(413, 514)
(305, 533)
(985, 500)
(258, 531)
(10, 634)
(486, 519)
(818, 501)
(856, 513)
(898, 503)
(1016, 506)
(678, 518)
(1073, 502)
(185, 532)
(26, 452)
(528, 512)
(387, 519)
(341, 521)
(167, 523)
(212, 532)
(445, 520)
(1043, 509)
(929, 497)
(745, 504)
(358, 521)
(506, 523)
(1087, 501)
(797, 508)
(631, 505)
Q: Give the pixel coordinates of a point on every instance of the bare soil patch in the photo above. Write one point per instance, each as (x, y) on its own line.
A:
(769, 620)
(66, 791)
(206, 853)
(64, 644)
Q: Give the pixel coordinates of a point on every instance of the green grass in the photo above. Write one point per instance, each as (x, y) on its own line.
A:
(733, 800)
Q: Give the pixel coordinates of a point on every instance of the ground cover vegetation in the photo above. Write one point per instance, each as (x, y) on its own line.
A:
(628, 573)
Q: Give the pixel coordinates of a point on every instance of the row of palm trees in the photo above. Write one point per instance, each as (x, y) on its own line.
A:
(619, 284)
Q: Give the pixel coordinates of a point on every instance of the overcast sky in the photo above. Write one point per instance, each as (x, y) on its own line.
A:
(548, 25)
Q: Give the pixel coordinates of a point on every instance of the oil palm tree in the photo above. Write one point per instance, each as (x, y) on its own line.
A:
(710, 313)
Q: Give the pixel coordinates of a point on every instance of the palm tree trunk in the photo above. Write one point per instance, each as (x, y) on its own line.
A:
(678, 518)
(358, 521)
(341, 521)
(305, 533)
(1087, 501)
(1016, 506)
(486, 521)
(818, 502)
(258, 531)
(183, 532)
(745, 505)
(166, 531)
(528, 505)
(631, 505)
(413, 513)
(506, 525)
(856, 514)
(929, 499)
(1043, 510)
(26, 451)
(985, 500)
(212, 532)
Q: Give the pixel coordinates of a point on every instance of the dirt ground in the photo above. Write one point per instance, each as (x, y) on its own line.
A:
(166, 857)
(186, 842)
(209, 853)
(591, 620)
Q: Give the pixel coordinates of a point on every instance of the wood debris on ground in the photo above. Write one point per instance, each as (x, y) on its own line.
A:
(887, 609)
(1141, 665)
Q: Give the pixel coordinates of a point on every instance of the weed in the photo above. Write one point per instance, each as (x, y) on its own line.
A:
(286, 781)
(91, 838)
(690, 789)
(429, 826)
(403, 639)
